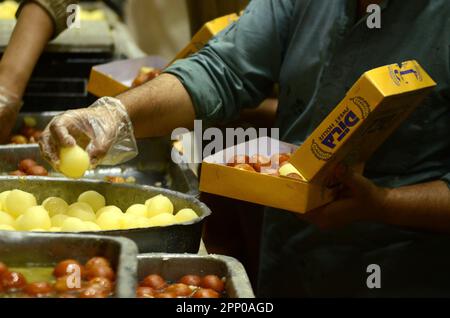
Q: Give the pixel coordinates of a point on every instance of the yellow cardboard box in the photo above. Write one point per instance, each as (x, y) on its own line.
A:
(371, 110)
(202, 37)
(114, 78)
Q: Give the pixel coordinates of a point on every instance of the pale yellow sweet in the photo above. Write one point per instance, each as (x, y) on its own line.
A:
(110, 220)
(54, 229)
(5, 227)
(74, 162)
(142, 222)
(8, 9)
(163, 219)
(185, 215)
(3, 196)
(159, 204)
(6, 219)
(58, 219)
(18, 201)
(72, 224)
(82, 211)
(287, 169)
(38, 230)
(55, 206)
(109, 208)
(139, 210)
(35, 217)
(92, 227)
(94, 199)
(128, 221)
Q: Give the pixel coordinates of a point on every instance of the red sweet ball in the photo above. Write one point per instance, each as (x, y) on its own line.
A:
(67, 267)
(181, 290)
(238, 159)
(213, 282)
(38, 289)
(145, 292)
(13, 281)
(205, 293)
(26, 164)
(97, 261)
(154, 281)
(100, 271)
(191, 280)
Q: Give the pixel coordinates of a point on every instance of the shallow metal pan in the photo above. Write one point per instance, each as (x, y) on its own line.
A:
(174, 266)
(179, 238)
(18, 249)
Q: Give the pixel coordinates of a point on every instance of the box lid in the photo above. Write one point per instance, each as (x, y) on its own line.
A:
(371, 110)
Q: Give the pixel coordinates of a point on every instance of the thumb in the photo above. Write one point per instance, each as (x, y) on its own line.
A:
(355, 182)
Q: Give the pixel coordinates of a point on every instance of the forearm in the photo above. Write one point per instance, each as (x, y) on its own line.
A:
(33, 30)
(159, 106)
(424, 206)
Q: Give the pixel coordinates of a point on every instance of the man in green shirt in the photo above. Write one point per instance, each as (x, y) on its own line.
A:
(315, 50)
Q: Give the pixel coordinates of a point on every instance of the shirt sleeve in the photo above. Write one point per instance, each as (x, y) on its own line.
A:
(238, 68)
(446, 178)
(56, 9)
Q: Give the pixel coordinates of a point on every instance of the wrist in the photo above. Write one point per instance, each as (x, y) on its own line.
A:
(12, 81)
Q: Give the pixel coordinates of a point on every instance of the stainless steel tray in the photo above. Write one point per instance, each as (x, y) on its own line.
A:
(174, 266)
(41, 249)
(179, 238)
(153, 166)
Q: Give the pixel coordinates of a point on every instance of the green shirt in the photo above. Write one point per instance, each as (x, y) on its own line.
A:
(316, 50)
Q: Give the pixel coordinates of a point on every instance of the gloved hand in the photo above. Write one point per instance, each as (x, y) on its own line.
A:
(104, 130)
(9, 108)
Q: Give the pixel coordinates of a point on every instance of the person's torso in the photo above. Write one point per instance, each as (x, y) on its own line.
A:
(329, 50)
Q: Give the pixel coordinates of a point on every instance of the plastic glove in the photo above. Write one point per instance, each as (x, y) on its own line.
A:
(9, 108)
(104, 129)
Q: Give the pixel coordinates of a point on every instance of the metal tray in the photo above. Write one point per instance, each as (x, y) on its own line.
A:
(178, 238)
(41, 249)
(153, 166)
(173, 266)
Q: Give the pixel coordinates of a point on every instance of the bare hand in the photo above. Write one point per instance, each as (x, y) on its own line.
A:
(359, 200)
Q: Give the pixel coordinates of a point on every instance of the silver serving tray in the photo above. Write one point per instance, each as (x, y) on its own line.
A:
(174, 266)
(18, 249)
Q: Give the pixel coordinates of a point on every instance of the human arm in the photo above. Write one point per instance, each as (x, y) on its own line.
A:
(423, 206)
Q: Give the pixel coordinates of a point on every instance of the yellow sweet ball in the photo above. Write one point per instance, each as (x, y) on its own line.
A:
(6, 219)
(54, 229)
(94, 199)
(82, 211)
(142, 222)
(18, 201)
(185, 215)
(128, 221)
(92, 227)
(55, 206)
(72, 224)
(58, 219)
(110, 220)
(109, 208)
(35, 217)
(163, 219)
(3, 196)
(139, 210)
(73, 162)
(288, 169)
(5, 227)
(159, 204)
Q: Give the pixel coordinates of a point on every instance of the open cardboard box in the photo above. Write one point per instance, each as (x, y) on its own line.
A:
(116, 77)
(371, 110)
